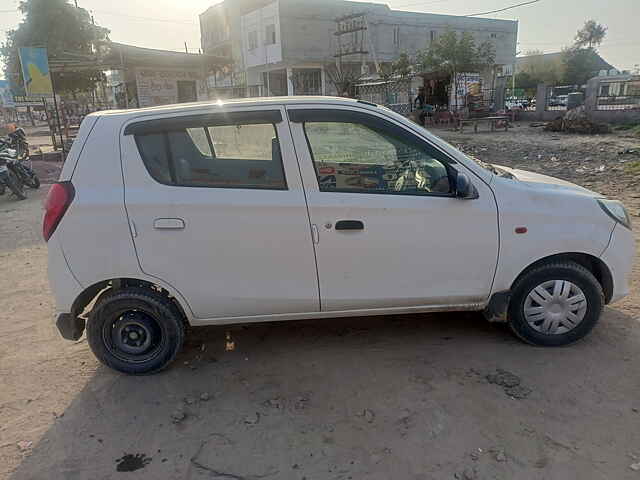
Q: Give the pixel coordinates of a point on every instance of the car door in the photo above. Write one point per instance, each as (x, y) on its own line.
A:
(217, 210)
(390, 231)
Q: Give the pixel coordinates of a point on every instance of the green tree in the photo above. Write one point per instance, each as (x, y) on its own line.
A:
(66, 32)
(581, 64)
(399, 69)
(590, 35)
(453, 54)
(582, 61)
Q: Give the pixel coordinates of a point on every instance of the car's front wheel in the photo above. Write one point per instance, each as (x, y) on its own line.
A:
(555, 304)
(135, 330)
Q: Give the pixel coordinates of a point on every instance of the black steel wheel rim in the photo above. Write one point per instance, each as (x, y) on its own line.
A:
(133, 336)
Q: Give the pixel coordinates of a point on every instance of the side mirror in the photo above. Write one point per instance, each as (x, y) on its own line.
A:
(464, 188)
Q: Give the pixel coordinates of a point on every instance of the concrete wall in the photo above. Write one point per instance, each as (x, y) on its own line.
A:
(308, 28)
(591, 104)
(256, 23)
(160, 86)
(415, 31)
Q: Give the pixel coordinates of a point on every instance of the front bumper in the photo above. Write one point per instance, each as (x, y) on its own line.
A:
(619, 257)
(70, 327)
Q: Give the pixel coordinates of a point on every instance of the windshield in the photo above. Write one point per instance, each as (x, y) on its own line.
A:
(487, 166)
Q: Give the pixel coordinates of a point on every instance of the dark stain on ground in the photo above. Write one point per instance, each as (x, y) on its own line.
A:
(130, 462)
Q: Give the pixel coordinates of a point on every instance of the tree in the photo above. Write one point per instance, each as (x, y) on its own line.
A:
(401, 67)
(343, 77)
(398, 70)
(590, 35)
(66, 31)
(581, 64)
(453, 54)
(582, 61)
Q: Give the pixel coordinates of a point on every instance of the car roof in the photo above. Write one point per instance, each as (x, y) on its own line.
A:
(249, 102)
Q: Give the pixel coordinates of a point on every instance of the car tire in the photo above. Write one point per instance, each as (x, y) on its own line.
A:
(136, 331)
(560, 316)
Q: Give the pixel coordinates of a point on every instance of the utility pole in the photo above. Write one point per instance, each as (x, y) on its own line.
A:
(76, 2)
(186, 50)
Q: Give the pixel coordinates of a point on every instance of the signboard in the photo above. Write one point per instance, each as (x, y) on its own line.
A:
(27, 100)
(35, 71)
(6, 96)
(467, 83)
(160, 87)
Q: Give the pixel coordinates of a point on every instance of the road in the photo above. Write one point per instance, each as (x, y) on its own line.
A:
(402, 397)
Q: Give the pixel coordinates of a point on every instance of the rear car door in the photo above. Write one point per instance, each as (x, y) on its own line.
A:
(391, 232)
(217, 210)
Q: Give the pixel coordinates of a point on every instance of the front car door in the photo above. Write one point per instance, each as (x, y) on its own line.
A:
(217, 210)
(391, 232)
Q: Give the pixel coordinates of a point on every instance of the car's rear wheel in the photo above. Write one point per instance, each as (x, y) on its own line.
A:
(555, 304)
(135, 330)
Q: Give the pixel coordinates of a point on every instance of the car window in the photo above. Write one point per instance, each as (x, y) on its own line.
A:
(353, 157)
(154, 151)
(250, 142)
(240, 156)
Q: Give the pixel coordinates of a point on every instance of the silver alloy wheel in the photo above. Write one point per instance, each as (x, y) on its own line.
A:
(555, 307)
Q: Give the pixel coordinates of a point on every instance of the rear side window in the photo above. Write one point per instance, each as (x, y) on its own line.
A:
(220, 156)
(154, 152)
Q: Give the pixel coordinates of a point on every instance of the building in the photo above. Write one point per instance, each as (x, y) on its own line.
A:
(283, 47)
(552, 64)
(145, 77)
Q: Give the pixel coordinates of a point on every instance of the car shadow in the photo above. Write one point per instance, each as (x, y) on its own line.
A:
(373, 397)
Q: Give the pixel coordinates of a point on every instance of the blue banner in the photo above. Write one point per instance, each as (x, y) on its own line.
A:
(35, 71)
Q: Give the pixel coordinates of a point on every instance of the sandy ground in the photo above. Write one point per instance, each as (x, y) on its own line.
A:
(402, 397)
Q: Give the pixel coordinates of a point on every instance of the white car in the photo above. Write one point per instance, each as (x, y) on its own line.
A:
(311, 207)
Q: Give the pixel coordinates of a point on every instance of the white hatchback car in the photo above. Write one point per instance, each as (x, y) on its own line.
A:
(311, 207)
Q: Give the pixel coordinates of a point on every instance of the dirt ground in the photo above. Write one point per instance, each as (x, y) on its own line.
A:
(402, 397)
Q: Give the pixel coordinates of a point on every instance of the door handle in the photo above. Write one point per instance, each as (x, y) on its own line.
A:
(168, 224)
(349, 225)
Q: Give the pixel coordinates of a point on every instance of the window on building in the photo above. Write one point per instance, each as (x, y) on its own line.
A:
(353, 157)
(396, 36)
(253, 40)
(270, 35)
(494, 35)
(223, 156)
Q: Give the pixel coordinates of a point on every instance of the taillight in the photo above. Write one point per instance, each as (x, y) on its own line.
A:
(58, 200)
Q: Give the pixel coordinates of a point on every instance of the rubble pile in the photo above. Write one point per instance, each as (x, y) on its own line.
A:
(576, 121)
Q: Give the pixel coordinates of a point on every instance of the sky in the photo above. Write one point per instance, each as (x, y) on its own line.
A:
(547, 25)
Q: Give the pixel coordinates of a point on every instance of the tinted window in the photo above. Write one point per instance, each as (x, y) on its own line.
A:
(154, 152)
(240, 156)
(357, 158)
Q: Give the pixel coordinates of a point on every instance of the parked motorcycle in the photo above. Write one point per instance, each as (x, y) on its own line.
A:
(21, 167)
(9, 179)
(18, 142)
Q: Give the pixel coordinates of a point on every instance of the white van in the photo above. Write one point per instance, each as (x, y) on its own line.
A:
(309, 207)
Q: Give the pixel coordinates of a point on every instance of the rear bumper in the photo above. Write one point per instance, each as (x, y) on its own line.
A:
(64, 286)
(70, 327)
(619, 257)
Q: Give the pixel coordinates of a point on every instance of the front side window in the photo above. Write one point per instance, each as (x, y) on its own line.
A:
(226, 156)
(352, 157)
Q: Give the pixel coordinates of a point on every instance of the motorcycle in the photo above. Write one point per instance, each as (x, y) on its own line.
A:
(22, 168)
(18, 142)
(9, 179)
